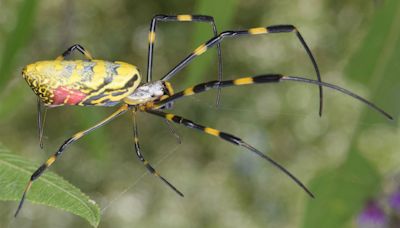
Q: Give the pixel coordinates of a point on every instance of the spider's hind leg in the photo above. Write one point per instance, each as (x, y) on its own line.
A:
(143, 160)
(229, 138)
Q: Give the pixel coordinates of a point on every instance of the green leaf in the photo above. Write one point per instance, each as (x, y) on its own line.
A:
(16, 40)
(341, 192)
(50, 189)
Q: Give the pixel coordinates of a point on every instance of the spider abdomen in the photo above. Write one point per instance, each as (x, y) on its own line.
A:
(81, 82)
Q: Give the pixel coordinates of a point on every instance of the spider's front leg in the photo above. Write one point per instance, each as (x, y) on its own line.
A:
(184, 18)
(249, 32)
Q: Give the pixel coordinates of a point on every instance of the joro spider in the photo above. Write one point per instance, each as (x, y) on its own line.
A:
(94, 82)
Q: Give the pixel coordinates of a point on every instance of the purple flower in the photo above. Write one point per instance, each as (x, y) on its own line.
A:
(394, 200)
(372, 216)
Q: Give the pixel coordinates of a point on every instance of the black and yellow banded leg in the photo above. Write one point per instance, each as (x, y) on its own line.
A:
(267, 78)
(74, 47)
(143, 160)
(253, 31)
(41, 118)
(62, 148)
(179, 18)
(230, 138)
(203, 87)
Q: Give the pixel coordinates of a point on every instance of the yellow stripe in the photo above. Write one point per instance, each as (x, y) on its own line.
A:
(50, 161)
(145, 162)
(66, 99)
(88, 55)
(78, 135)
(188, 91)
(28, 186)
(163, 97)
(211, 131)
(99, 73)
(136, 139)
(260, 30)
(58, 66)
(76, 76)
(243, 81)
(59, 58)
(169, 117)
(200, 50)
(79, 65)
(184, 17)
(152, 37)
(169, 88)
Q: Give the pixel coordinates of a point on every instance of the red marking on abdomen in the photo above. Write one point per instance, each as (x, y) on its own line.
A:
(64, 95)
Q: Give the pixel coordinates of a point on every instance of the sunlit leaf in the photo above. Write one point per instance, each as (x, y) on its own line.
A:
(50, 189)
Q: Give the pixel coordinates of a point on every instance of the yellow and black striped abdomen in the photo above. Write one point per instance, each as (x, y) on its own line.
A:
(80, 82)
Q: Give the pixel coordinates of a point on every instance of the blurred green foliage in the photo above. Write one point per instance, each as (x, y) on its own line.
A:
(356, 46)
(223, 19)
(16, 40)
(342, 192)
(356, 180)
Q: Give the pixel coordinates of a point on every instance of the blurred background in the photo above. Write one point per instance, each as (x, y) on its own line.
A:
(347, 157)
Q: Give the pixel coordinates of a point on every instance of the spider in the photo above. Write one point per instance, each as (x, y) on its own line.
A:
(92, 82)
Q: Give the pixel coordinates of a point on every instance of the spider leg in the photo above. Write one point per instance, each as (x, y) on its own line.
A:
(74, 47)
(143, 160)
(227, 137)
(180, 18)
(253, 31)
(173, 132)
(62, 148)
(267, 78)
(41, 118)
